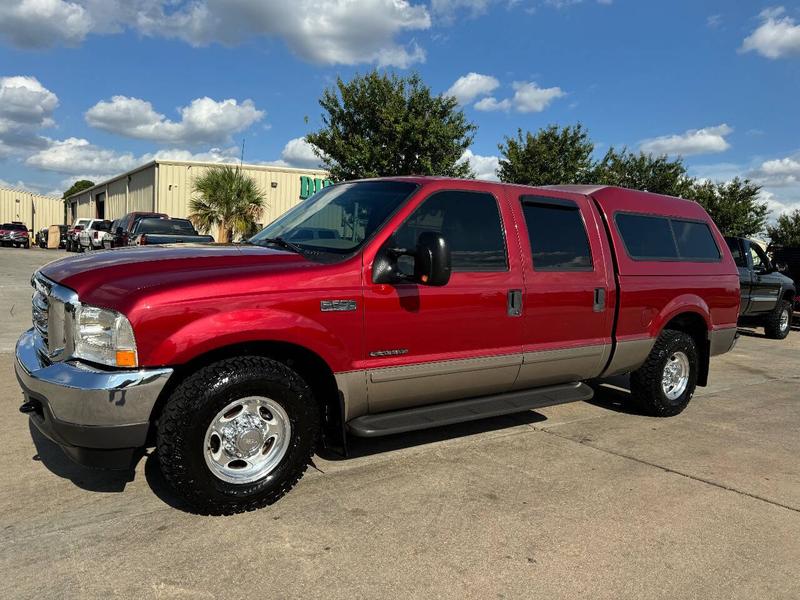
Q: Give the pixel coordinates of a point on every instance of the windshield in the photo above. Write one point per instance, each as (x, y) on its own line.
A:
(338, 219)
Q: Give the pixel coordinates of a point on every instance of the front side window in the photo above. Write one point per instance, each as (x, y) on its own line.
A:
(557, 235)
(736, 251)
(469, 222)
(339, 218)
(760, 259)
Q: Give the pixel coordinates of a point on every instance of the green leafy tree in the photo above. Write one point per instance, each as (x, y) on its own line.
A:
(78, 186)
(786, 232)
(640, 171)
(228, 199)
(734, 206)
(551, 156)
(377, 125)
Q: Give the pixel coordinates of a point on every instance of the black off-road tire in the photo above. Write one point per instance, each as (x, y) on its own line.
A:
(646, 389)
(195, 402)
(772, 324)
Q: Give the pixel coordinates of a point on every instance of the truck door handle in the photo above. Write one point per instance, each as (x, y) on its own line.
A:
(514, 303)
(599, 299)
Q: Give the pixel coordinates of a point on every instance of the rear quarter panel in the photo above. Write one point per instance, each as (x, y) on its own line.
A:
(653, 292)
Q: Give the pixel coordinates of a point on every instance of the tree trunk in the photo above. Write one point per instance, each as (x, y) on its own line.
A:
(224, 233)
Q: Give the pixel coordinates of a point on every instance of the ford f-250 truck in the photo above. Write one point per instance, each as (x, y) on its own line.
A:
(768, 296)
(437, 301)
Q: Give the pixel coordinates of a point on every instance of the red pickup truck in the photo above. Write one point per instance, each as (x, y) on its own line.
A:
(374, 307)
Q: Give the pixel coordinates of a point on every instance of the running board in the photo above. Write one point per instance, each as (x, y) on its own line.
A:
(460, 411)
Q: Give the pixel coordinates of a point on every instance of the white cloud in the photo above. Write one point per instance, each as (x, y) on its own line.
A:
(491, 103)
(778, 36)
(26, 106)
(204, 121)
(714, 21)
(484, 167)
(529, 97)
(43, 23)
(322, 31)
(78, 156)
(447, 9)
(694, 141)
(472, 85)
(299, 153)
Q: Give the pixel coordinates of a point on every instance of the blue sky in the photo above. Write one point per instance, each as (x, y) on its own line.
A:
(90, 88)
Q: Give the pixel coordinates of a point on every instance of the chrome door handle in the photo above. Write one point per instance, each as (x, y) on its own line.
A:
(514, 303)
(599, 299)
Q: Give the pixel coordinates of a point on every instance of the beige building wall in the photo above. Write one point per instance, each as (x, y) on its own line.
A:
(166, 187)
(35, 210)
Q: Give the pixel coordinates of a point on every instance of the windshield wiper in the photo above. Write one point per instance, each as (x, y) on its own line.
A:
(287, 245)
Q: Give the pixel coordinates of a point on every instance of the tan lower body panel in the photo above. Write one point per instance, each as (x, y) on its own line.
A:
(722, 340)
(393, 388)
(629, 355)
(548, 367)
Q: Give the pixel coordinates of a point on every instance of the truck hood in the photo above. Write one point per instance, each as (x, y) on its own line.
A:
(106, 277)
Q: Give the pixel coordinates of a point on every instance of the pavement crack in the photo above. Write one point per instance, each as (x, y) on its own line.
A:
(710, 482)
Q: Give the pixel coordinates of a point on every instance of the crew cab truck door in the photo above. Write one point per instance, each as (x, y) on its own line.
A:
(766, 287)
(428, 344)
(735, 245)
(569, 289)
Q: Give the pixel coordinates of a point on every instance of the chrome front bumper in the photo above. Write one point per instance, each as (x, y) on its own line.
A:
(84, 395)
(99, 417)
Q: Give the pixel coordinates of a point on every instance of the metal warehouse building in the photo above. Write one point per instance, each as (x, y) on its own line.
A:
(166, 186)
(35, 210)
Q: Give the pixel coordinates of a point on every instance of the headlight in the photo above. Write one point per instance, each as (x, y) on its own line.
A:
(104, 336)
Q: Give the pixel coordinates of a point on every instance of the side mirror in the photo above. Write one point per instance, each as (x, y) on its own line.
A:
(432, 263)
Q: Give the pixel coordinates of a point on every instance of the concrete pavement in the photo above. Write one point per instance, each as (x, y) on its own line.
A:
(579, 500)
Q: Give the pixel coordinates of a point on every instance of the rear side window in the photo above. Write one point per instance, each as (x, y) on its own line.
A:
(694, 240)
(557, 235)
(647, 238)
(469, 221)
(661, 238)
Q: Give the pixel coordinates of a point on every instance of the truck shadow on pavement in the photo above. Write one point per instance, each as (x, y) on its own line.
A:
(610, 394)
(58, 463)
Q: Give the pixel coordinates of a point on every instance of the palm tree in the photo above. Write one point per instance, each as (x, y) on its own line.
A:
(228, 199)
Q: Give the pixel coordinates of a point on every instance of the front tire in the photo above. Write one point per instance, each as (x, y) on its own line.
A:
(665, 383)
(779, 321)
(237, 435)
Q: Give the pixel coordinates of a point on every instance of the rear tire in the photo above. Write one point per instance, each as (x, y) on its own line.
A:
(196, 434)
(665, 383)
(779, 321)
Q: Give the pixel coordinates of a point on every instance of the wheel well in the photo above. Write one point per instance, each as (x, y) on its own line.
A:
(309, 365)
(695, 326)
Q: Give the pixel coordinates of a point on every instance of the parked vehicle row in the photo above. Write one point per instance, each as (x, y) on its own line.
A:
(134, 229)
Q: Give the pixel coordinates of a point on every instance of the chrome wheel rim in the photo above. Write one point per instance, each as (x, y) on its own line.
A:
(247, 440)
(675, 378)
(785, 318)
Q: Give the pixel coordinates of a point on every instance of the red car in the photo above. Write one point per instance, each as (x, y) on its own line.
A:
(14, 234)
(375, 307)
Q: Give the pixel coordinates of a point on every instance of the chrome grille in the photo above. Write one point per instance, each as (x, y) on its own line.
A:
(53, 310)
(41, 306)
